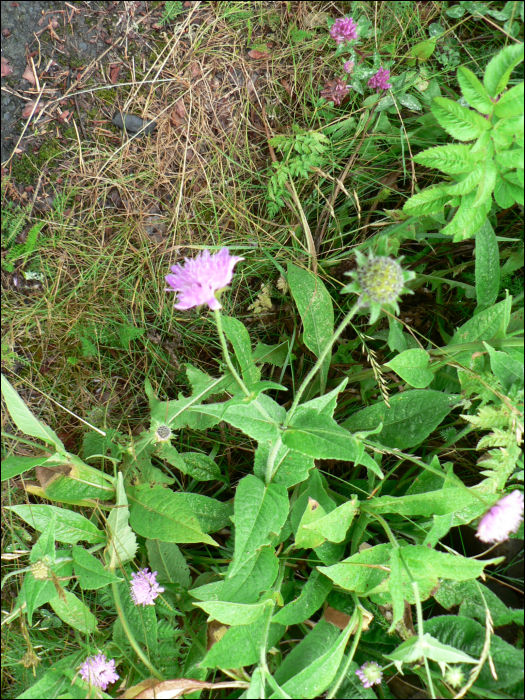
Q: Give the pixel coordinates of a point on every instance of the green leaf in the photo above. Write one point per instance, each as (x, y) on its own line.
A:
(90, 570)
(430, 648)
(14, 466)
(321, 437)
(25, 420)
(334, 526)
(469, 636)
(122, 543)
(235, 613)
(306, 538)
(499, 69)
(440, 502)
(412, 366)
(473, 91)
(272, 354)
(259, 418)
(241, 645)
(312, 597)
(395, 587)
(491, 323)
(410, 102)
(51, 685)
(212, 514)
(323, 405)
(74, 612)
(316, 643)
(429, 201)
(256, 576)
(70, 527)
(200, 467)
(424, 50)
(315, 678)
(452, 159)
(260, 513)
(290, 467)
(486, 185)
(315, 307)
(460, 122)
(502, 193)
(510, 104)
(468, 596)
(240, 339)
(466, 183)
(412, 416)
(505, 368)
(487, 267)
(159, 513)
(512, 159)
(168, 561)
(352, 687)
(467, 220)
(456, 11)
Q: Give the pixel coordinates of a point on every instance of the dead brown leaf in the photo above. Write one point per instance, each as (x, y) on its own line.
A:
(178, 114)
(336, 617)
(287, 86)
(29, 75)
(258, 55)
(63, 117)
(166, 690)
(114, 71)
(6, 32)
(26, 112)
(6, 68)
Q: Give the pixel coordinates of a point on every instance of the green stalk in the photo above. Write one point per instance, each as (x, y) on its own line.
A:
(353, 648)
(129, 634)
(226, 353)
(319, 362)
(270, 472)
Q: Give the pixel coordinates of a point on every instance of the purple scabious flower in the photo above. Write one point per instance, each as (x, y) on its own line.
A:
(98, 671)
(144, 587)
(503, 518)
(200, 278)
(369, 674)
(348, 66)
(335, 90)
(343, 29)
(379, 81)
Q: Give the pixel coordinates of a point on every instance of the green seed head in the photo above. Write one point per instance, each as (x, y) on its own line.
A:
(381, 279)
(40, 570)
(163, 433)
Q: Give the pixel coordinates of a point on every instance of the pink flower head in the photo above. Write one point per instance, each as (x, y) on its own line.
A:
(98, 671)
(348, 66)
(503, 518)
(369, 674)
(335, 90)
(200, 278)
(379, 81)
(343, 29)
(144, 587)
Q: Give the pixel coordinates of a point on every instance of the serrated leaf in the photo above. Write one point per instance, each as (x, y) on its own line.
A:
(502, 193)
(240, 339)
(235, 613)
(452, 159)
(505, 368)
(487, 267)
(90, 570)
(473, 91)
(467, 220)
(412, 366)
(159, 513)
(467, 183)
(490, 323)
(122, 542)
(321, 437)
(74, 612)
(290, 467)
(168, 561)
(412, 416)
(486, 185)
(429, 201)
(310, 600)
(256, 576)
(460, 122)
(510, 104)
(362, 571)
(25, 420)
(334, 526)
(511, 159)
(499, 69)
(259, 514)
(70, 527)
(315, 307)
(439, 502)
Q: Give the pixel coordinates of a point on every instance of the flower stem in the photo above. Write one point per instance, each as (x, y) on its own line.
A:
(130, 636)
(226, 353)
(320, 361)
(270, 472)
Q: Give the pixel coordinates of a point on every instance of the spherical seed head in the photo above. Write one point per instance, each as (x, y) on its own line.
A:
(379, 281)
(40, 570)
(163, 433)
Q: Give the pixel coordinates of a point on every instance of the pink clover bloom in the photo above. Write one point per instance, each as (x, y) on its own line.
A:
(343, 29)
(379, 81)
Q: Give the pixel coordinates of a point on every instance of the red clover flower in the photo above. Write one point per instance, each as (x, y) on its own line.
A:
(343, 29)
(199, 279)
(335, 90)
(348, 66)
(98, 671)
(144, 587)
(369, 674)
(379, 80)
(503, 518)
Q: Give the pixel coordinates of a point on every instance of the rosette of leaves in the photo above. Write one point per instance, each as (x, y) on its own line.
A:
(489, 162)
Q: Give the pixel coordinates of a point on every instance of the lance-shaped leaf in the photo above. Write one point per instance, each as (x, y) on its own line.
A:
(260, 513)
(74, 612)
(70, 527)
(90, 570)
(305, 538)
(321, 437)
(334, 526)
(234, 613)
(122, 542)
(168, 561)
(312, 597)
(427, 647)
(240, 339)
(160, 513)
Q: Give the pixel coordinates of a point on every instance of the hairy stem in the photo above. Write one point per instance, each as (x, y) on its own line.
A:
(226, 353)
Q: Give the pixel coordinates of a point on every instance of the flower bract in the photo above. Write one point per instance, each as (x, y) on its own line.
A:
(502, 519)
(200, 278)
(98, 671)
(144, 587)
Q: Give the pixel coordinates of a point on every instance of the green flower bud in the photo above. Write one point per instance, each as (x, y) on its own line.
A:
(454, 676)
(163, 433)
